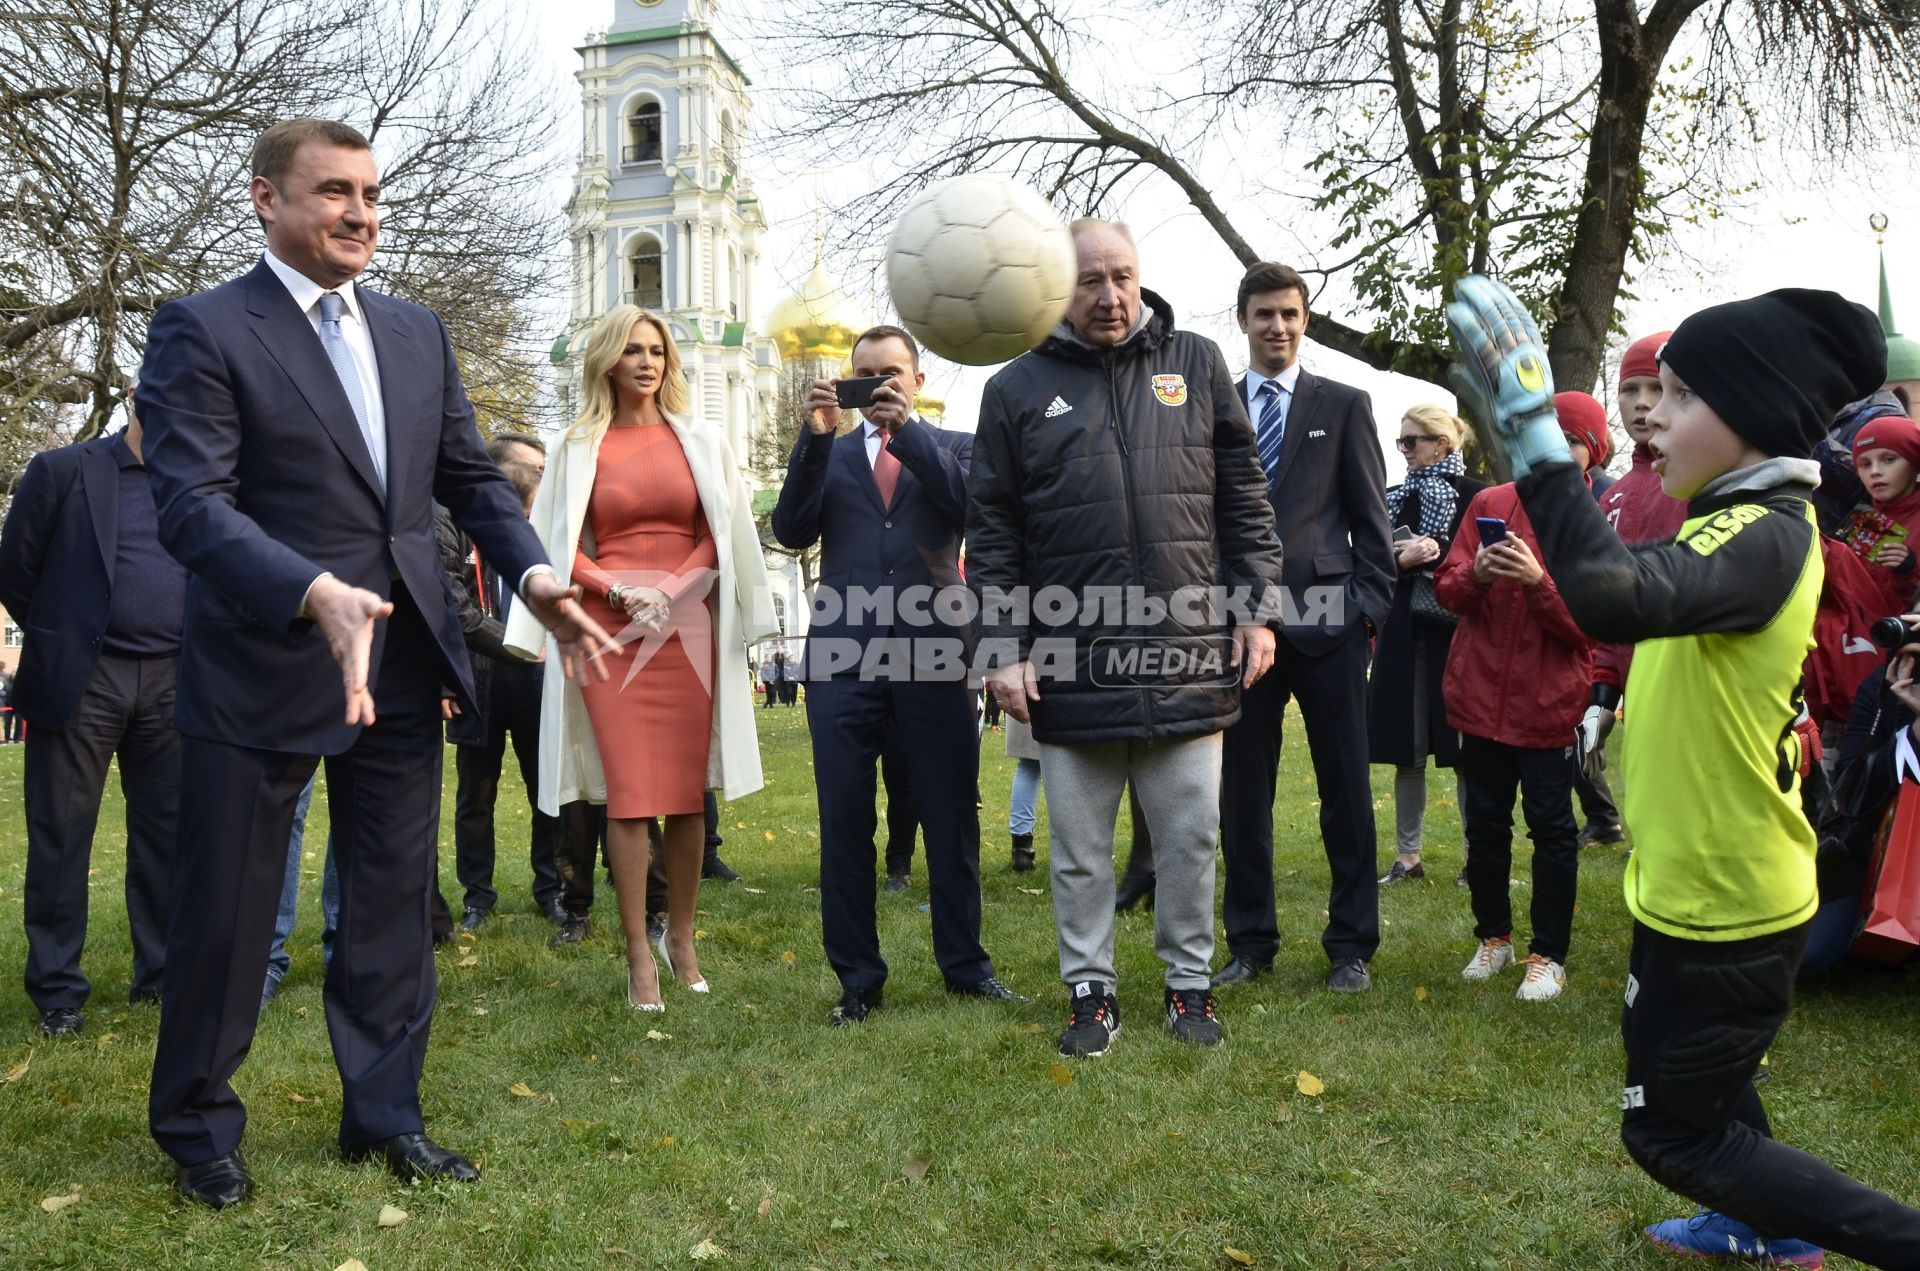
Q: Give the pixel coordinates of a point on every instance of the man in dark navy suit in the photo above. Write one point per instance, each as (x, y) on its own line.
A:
(99, 601)
(887, 503)
(299, 431)
(1327, 483)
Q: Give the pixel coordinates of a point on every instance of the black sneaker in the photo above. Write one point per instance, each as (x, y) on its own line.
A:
(1190, 1017)
(1093, 1023)
(715, 870)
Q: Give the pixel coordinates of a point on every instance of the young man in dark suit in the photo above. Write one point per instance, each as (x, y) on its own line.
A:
(1327, 482)
(299, 431)
(83, 573)
(887, 503)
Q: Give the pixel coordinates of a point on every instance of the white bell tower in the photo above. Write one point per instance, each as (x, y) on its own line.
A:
(663, 214)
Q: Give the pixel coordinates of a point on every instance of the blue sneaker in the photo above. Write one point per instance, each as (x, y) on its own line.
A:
(1713, 1235)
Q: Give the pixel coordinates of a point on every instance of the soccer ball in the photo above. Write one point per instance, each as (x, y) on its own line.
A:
(980, 268)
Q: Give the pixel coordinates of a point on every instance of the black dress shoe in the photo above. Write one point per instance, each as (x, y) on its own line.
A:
(1350, 975)
(1023, 861)
(854, 1007)
(897, 882)
(1134, 888)
(989, 988)
(61, 1021)
(143, 997)
(1240, 969)
(713, 869)
(556, 912)
(472, 918)
(216, 1183)
(572, 931)
(412, 1156)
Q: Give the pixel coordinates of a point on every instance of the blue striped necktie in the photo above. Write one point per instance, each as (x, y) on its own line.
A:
(1272, 428)
(332, 307)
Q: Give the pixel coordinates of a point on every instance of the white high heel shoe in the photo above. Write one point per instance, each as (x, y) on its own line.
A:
(666, 960)
(650, 1007)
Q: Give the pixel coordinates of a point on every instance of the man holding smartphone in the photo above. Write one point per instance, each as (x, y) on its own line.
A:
(887, 503)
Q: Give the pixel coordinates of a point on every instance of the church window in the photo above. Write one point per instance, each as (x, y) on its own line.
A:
(643, 134)
(644, 286)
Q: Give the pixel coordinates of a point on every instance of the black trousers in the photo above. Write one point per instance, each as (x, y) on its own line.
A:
(1698, 1019)
(1492, 772)
(903, 813)
(10, 724)
(513, 710)
(849, 722)
(385, 799)
(1596, 799)
(1332, 691)
(126, 711)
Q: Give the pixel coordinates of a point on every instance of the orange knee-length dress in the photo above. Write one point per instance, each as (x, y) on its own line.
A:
(653, 716)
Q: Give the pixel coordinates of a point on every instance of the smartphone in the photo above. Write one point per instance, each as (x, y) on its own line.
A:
(1401, 533)
(855, 393)
(1492, 529)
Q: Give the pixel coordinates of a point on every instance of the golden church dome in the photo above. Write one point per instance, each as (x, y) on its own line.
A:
(817, 321)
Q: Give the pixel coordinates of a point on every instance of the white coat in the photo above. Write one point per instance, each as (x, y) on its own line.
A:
(570, 766)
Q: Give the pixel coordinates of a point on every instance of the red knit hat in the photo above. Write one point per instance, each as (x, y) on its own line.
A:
(1643, 356)
(1584, 420)
(1890, 432)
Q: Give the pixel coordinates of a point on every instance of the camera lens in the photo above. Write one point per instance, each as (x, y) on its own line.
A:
(1890, 633)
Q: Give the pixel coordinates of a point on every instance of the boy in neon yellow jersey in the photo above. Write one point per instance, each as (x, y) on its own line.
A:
(1721, 883)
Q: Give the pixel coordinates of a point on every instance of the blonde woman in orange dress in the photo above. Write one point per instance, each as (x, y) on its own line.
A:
(649, 508)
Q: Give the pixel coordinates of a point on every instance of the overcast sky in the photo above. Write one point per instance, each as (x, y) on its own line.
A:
(1814, 238)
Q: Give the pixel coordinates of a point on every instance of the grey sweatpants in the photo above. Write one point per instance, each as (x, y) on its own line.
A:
(1178, 782)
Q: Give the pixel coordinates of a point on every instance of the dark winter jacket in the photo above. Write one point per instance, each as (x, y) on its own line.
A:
(480, 627)
(1129, 467)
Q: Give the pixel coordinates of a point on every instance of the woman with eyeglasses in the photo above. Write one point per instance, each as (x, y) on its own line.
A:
(1406, 721)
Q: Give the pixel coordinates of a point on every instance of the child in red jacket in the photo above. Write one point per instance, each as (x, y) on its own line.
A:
(1886, 454)
(1516, 684)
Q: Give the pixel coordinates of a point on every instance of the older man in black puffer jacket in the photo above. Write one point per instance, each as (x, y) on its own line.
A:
(1116, 502)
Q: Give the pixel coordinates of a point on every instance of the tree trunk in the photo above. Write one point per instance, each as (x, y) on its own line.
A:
(1610, 197)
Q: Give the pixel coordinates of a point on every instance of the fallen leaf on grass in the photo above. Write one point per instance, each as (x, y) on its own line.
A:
(788, 958)
(1029, 1029)
(392, 1216)
(479, 1010)
(105, 1039)
(1059, 1074)
(615, 1251)
(467, 937)
(472, 959)
(700, 933)
(1283, 1113)
(54, 1204)
(766, 1205)
(769, 836)
(754, 891)
(915, 1170)
(706, 1250)
(351, 1264)
(665, 1140)
(297, 1097)
(1420, 993)
(1240, 1256)
(839, 1224)
(655, 1035)
(524, 1090)
(1033, 891)
(1308, 1084)
(16, 1072)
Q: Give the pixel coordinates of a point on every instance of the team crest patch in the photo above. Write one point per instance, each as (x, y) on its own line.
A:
(1170, 389)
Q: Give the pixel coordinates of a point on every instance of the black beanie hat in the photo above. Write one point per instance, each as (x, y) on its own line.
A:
(1778, 366)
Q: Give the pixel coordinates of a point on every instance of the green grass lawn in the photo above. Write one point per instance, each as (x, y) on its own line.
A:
(1458, 1127)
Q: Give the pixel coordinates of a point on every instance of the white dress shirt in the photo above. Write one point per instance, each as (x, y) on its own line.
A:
(1285, 381)
(306, 293)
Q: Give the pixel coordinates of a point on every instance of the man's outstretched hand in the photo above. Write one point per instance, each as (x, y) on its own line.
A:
(345, 615)
(582, 641)
(1500, 374)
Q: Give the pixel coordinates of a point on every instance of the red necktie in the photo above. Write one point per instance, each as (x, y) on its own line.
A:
(886, 472)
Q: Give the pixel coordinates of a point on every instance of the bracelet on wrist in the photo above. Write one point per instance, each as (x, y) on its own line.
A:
(613, 595)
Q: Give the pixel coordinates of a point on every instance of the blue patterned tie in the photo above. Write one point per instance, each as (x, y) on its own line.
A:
(1272, 428)
(331, 309)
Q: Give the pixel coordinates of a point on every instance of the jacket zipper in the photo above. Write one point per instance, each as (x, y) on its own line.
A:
(1133, 513)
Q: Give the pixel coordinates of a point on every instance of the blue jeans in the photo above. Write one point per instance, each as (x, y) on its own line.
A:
(279, 961)
(1026, 796)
